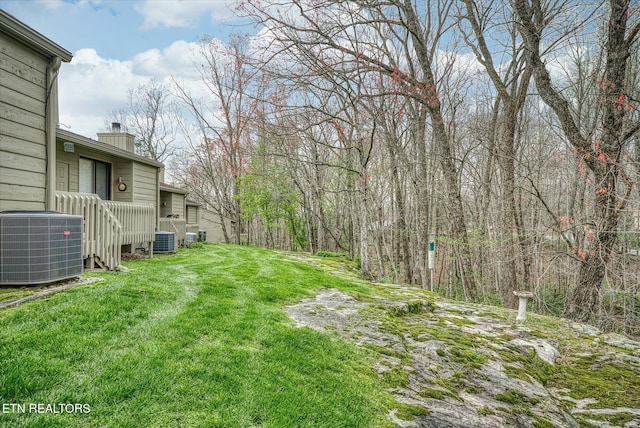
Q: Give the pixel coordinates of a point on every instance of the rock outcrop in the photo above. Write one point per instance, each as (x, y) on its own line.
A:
(472, 365)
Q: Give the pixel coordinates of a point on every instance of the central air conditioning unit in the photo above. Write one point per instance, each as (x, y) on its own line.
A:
(38, 247)
(191, 237)
(165, 242)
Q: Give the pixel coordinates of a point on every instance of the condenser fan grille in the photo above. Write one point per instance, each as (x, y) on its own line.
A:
(165, 242)
(39, 246)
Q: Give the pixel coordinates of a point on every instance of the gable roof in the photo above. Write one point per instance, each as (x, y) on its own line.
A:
(27, 35)
(65, 135)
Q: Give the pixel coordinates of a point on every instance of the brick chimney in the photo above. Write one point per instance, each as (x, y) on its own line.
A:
(121, 140)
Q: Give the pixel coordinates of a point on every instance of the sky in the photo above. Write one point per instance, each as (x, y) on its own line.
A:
(119, 45)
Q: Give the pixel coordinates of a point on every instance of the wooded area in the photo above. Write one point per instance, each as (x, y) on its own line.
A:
(507, 132)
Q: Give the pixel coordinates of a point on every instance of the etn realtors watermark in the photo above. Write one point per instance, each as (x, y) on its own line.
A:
(51, 408)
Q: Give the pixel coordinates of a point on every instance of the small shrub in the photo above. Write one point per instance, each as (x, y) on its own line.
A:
(329, 254)
(198, 245)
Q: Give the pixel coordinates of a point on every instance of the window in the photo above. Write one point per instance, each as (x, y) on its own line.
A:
(95, 177)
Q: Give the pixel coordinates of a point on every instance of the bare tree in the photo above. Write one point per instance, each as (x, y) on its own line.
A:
(346, 32)
(602, 152)
(153, 118)
(511, 81)
(223, 114)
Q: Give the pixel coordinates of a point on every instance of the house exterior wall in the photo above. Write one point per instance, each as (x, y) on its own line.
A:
(29, 65)
(192, 214)
(171, 203)
(178, 204)
(210, 222)
(70, 159)
(73, 159)
(165, 204)
(145, 184)
(122, 168)
(141, 179)
(22, 126)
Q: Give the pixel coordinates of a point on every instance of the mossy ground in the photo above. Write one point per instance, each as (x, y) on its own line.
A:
(582, 368)
(612, 384)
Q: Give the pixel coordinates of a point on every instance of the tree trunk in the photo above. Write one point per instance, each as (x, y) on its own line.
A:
(601, 155)
(457, 222)
(431, 101)
(365, 264)
(508, 227)
(419, 135)
(403, 235)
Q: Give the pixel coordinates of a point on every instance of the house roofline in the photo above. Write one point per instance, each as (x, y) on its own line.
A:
(22, 32)
(168, 188)
(103, 147)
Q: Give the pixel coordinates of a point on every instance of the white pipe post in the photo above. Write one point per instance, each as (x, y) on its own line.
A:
(523, 297)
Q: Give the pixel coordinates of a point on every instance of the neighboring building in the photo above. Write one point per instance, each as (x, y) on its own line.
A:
(119, 194)
(192, 215)
(107, 167)
(172, 201)
(46, 168)
(211, 223)
(29, 65)
(173, 212)
(108, 176)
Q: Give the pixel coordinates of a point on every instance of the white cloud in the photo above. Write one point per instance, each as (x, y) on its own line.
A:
(182, 13)
(49, 4)
(91, 87)
(176, 60)
(59, 4)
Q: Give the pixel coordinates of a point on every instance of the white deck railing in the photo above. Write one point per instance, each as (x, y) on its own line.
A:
(108, 225)
(137, 220)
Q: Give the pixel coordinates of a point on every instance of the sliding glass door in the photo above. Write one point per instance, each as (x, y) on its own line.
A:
(95, 177)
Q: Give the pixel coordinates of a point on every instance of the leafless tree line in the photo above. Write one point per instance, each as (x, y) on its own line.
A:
(506, 131)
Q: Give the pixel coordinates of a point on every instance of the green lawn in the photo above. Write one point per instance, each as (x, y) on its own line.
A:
(194, 339)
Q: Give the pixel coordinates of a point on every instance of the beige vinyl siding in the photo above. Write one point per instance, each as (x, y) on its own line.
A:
(178, 204)
(73, 159)
(192, 214)
(171, 203)
(18, 177)
(209, 221)
(22, 61)
(124, 169)
(140, 178)
(22, 78)
(145, 189)
(165, 204)
(33, 108)
(22, 140)
(22, 126)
